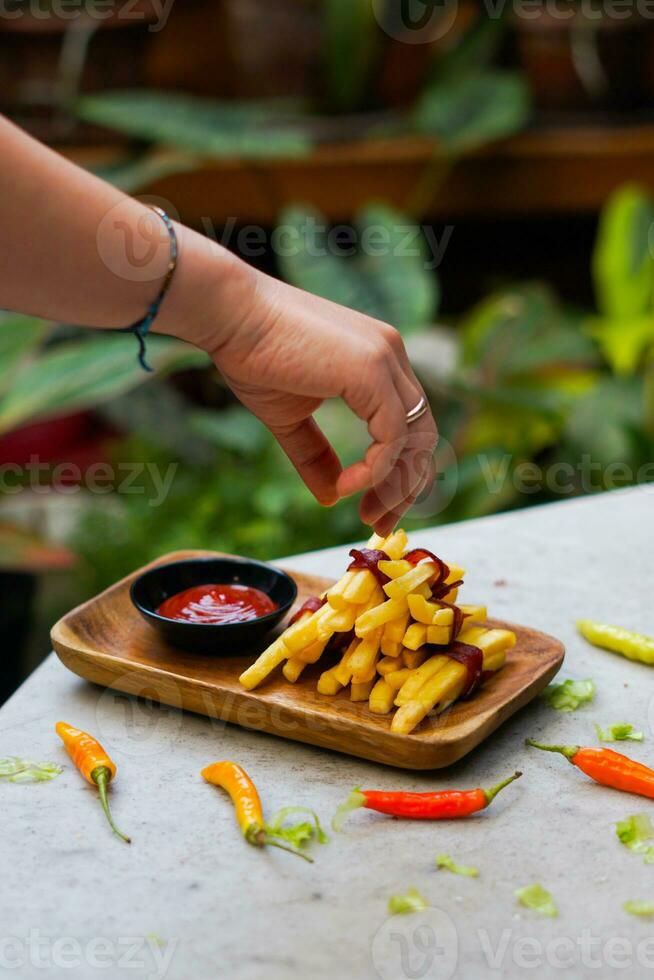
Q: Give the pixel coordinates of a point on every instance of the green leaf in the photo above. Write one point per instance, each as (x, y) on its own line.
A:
(412, 901)
(634, 832)
(623, 341)
(623, 260)
(444, 861)
(619, 402)
(17, 770)
(299, 834)
(355, 801)
(84, 374)
(569, 695)
(537, 898)
(20, 338)
(352, 35)
(389, 279)
(466, 112)
(618, 733)
(207, 127)
(645, 909)
(474, 51)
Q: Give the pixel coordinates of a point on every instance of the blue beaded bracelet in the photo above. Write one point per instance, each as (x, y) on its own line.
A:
(141, 328)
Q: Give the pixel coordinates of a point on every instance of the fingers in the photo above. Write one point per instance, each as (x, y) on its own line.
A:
(396, 467)
(313, 457)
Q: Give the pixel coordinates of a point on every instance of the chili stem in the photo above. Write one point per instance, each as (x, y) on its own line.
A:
(101, 777)
(569, 751)
(490, 794)
(258, 837)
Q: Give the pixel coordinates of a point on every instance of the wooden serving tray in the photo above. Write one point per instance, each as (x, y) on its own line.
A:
(106, 641)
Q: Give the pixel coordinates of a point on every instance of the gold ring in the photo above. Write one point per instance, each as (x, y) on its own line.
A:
(417, 412)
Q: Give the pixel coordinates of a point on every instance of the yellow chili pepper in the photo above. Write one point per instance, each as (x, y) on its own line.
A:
(249, 813)
(93, 763)
(634, 646)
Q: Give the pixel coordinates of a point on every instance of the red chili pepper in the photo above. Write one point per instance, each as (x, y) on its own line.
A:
(606, 767)
(442, 805)
(312, 605)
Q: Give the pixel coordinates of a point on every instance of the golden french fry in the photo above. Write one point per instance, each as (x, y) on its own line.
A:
(395, 630)
(388, 664)
(395, 569)
(478, 614)
(400, 587)
(379, 615)
(381, 698)
(264, 664)
(447, 684)
(392, 650)
(336, 621)
(439, 635)
(305, 632)
(293, 668)
(361, 587)
(364, 659)
(343, 670)
(414, 658)
(361, 691)
(456, 574)
(419, 677)
(327, 683)
(397, 678)
(416, 636)
(422, 610)
(451, 596)
(336, 595)
(396, 544)
(313, 653)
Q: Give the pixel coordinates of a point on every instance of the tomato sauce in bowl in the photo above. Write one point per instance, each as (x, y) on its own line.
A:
(218, 604)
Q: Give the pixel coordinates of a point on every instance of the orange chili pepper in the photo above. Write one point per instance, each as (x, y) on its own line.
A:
(606, 767)
(249, 813)
(93, 763)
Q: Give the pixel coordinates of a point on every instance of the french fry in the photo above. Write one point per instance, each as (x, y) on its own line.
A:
(414, 658)
(387, 664)
(422, 610)
(419, 677)
(327, 683)
(447, 684)
(439, 635)
(395, 545)
(395, 569)
(361, 691)
(363, 661)
(379, 615)
(395, 630)
(381, 698)
(336, 621)
(397, 678)
(293, 668)
(477, 614)
(312, 653)
(264, 664)
(389, 649)
(416, 636)
(336, 595)
(360, 588)
(400, 587)
(343, 669)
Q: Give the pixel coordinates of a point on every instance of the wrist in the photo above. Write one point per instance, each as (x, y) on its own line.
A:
(211, 293)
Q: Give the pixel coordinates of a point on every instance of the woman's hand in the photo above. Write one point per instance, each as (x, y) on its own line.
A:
(287, 351)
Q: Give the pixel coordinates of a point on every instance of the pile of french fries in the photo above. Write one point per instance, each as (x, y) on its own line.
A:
(396, 638)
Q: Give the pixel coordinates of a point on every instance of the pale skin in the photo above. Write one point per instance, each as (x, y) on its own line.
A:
(78, 250)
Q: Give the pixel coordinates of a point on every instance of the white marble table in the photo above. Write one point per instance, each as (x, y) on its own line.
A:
(190, 900)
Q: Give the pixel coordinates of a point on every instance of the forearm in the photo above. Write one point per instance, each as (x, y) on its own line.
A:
(79, 250)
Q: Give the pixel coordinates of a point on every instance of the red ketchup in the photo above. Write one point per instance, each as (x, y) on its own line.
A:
(209, 604)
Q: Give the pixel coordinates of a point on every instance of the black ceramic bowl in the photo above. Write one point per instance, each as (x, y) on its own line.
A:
(153, 587)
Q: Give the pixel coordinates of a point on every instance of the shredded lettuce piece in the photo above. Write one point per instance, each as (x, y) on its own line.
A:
(639, 908)
(17, 770)
(355, 800)
(444, 861)
(569, 695)
(538, 898)
(403, 904)
(618, 733)
(300, 834)
(634, 832)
